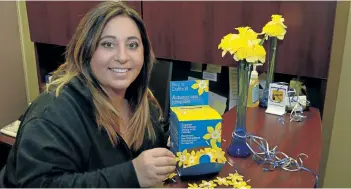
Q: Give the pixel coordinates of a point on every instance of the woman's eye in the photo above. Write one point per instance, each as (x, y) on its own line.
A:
(107, 44)
(132, 45)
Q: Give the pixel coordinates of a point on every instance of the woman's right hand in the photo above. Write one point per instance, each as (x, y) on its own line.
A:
(153, 166)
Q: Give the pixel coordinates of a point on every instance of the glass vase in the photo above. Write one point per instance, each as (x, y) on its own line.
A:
(272, 56)
(238, 147)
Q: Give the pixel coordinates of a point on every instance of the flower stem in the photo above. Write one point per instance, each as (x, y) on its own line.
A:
(273, 53)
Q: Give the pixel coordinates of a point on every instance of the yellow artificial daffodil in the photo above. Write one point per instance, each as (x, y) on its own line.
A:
(201, 85)
(235, 177)
(200, 153)
(247, 33)
(275, 27)
(193, 186)
(220, 155)
(234, 180)
(221, 181)
(226, 43)
(256, 53)
(170, 176)
(182, 157)
(243, 46)
(208, 184)
(193, 159)
(241, 185)
(235, 42)
(214, 135)
(209, 152)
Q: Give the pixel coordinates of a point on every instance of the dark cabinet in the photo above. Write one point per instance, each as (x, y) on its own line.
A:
(191, 31)
(54, 22)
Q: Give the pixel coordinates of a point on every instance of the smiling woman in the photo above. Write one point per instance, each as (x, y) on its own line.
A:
(119, 56)
(96, 125)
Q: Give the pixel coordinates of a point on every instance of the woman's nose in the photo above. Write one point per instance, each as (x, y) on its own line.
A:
(121, 55)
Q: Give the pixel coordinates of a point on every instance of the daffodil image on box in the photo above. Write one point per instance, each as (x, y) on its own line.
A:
(214, 135)
(201, 86)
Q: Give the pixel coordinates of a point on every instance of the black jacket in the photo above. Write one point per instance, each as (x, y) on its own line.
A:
(59, 145)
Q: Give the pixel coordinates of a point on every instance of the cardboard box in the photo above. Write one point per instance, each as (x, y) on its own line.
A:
(195, 129)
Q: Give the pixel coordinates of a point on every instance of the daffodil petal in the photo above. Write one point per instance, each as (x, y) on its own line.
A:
(207, 136)
(223, 53)
(195, 86)
(210, 129)
(213, 143)
(201, 91)
(218, 126)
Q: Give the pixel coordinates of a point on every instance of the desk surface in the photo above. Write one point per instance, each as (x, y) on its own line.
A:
(291, 138)
(7, 139)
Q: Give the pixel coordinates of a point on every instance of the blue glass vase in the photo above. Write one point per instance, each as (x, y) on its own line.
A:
(272, 56)
(238, 147)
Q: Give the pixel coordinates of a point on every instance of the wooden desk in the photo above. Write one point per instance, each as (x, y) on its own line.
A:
(291, 138)
(7, 139)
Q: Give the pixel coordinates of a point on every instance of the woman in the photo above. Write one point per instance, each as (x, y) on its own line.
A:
(97, 124)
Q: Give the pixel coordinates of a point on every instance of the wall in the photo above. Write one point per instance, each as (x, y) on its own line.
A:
(13, 98)
(19, 86)
(335, 166)
(28, 53)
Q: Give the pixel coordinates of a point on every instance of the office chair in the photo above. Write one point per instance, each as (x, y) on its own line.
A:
(161, 76)
(159, 84)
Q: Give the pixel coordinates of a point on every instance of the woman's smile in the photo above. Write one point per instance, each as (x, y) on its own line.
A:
(120, 71)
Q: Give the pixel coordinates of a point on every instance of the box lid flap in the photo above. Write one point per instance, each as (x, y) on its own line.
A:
(189, 93)
(193, 113)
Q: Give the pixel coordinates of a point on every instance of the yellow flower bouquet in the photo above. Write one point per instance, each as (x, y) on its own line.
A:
(273, 31)
(246, 47)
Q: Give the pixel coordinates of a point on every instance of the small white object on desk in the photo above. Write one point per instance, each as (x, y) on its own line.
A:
(11, 129)
(196, 67)
(217, 102)
(213, 68)
(193, 78)
(276, 99)
(209, 76)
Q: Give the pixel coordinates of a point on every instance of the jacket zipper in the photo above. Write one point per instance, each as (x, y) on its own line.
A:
(126, 147)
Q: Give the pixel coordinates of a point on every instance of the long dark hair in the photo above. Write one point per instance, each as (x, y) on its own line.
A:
(78, 56)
